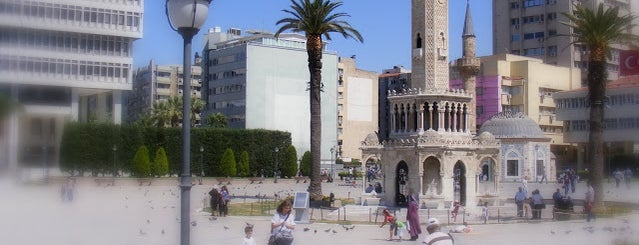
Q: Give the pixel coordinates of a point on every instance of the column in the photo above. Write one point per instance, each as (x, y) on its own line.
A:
(117, 107)
(454, 118)
(431, 115)
(13, 135)
(421, 118)
(441, 119)
(75, 104)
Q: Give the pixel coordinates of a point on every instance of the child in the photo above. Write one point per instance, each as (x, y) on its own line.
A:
(527, 207)
(392, 221)
(461, 229)
(401, 227)
(455, 211)
(248, 239)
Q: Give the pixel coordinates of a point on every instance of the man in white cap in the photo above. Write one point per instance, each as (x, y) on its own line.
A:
(435, 235)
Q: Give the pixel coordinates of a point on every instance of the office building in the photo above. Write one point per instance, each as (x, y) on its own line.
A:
(621, 119)
(259, 81)
(532, 28)
(62, 61)
(395, 78)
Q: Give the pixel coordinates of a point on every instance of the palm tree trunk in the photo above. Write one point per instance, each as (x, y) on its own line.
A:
(314, 50)
(597, 92)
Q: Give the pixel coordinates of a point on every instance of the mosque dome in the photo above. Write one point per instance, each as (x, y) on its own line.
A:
(511, 125)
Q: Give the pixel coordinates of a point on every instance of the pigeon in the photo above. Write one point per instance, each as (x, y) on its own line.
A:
(212, 218)
(567, 232)
(142, 232)
(193, 223)
(162, 231)
(249, 225)
(148, 221)
(315, 231)
(334, 232)
(226, 228)
(306, 229)
(552, 232)
(329, 229)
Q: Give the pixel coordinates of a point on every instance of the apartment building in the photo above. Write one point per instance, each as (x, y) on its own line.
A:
(259, 81)
(62, 60)
(523, 84)
(532, 28)
(357, 98)
(395, 78)
(154, 83)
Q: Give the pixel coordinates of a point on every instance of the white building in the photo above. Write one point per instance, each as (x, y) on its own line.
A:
(260, 82)
(62, 60)
(621, 117)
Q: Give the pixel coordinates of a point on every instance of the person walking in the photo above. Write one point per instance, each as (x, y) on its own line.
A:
(628, 177)
(455, 210)
(282, 224)
(520, 197)
(590, 201)
(412, 217)
(618, 177)
(484, 211)
(435, 235)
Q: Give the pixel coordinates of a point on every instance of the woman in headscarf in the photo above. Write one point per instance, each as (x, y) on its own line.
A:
(412, 217)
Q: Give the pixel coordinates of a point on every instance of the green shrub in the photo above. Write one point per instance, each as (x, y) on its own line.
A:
(160, 166)
(227, 163)
(243, 165)
(305, 165)
(288, 161)
(141, 163)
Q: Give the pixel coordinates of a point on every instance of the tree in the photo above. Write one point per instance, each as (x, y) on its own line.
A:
(141, 163)
(216, 120)
(289, 162)
(316, 18)
(227, 163)
(305, 164)
(596, 30)
(197, 106)
(160, 166)
(243, 169)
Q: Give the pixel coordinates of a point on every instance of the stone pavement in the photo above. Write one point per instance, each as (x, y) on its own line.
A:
(128, 213)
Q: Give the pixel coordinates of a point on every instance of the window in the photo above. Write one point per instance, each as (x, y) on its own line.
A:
(515, 37)
(512, 167)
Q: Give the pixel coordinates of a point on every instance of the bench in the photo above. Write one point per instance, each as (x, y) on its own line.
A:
(221, 181)
(142, 182)
(107, 181)
(302, 178)
(253, 179)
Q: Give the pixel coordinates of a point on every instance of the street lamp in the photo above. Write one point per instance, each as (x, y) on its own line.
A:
(608, 160)
(332, 151)
(201, 163)
(115, 149)
(277, 150)
(187, 16)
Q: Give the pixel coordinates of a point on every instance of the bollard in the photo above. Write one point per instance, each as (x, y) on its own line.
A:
(498, 216)
(464, 217)
(428, 211)
(369, 214)
(344, 213)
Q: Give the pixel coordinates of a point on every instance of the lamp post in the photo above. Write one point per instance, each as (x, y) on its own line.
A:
(187, 16)
(608, 160)
(201, 163)
(115, 149)
(332, 163)
(277, 150)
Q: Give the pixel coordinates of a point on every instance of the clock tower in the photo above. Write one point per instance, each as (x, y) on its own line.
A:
(429, 45)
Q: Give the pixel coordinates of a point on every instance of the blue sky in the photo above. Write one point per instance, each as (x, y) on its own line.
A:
(384, 24)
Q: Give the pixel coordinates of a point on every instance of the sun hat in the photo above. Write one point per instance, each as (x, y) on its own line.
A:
(432, 221)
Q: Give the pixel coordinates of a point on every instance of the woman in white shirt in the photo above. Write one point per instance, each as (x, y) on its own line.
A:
(283, 222)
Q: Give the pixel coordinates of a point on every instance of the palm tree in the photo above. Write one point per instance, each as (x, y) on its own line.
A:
(175, 110)
(197, 106)
(217, 120)
(316, 18)
(596, 30)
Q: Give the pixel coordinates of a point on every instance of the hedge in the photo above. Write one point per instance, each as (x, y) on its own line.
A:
(88, 147)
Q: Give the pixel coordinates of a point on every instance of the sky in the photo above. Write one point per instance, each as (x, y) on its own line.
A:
(384, 24)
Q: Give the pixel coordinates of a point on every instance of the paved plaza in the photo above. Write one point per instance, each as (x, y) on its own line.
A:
(128, 213)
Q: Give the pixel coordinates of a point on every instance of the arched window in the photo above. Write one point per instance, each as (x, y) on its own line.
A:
(418, 41)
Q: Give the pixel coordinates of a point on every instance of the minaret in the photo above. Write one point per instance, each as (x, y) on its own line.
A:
(429, 45)
(468, 66)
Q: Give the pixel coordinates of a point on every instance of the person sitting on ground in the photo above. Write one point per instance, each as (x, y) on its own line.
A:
(378, 187)
(464, 228)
